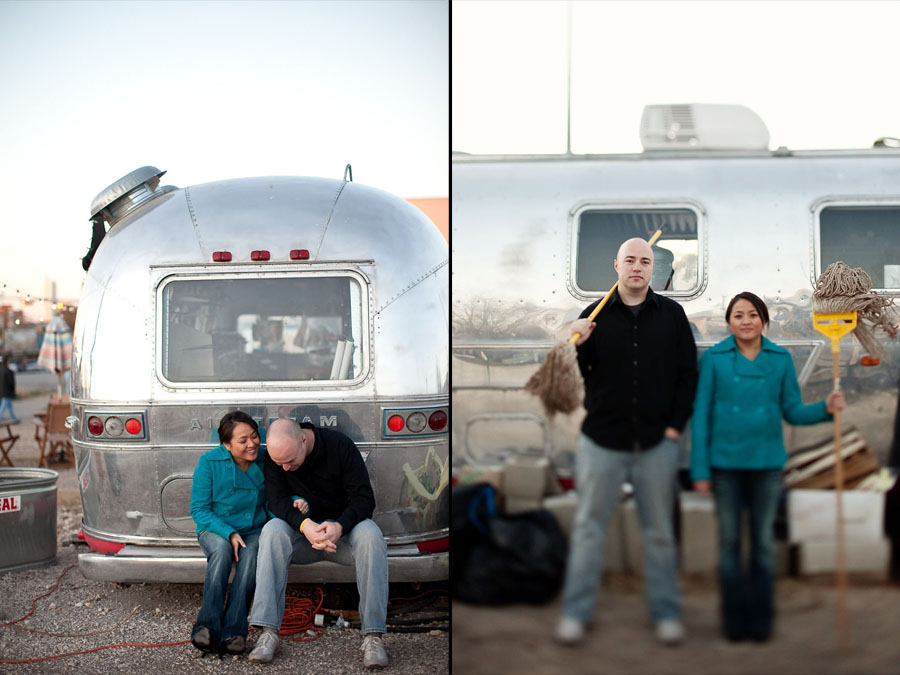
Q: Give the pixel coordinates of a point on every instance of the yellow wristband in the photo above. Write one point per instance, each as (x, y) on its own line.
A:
(303, 523)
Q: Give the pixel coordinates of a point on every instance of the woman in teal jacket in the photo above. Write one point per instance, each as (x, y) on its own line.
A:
(228, 504)
(747, 385)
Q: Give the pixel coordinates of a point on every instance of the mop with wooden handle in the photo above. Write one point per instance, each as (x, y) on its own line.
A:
(842, 298)
(558, 382)
(835, 325)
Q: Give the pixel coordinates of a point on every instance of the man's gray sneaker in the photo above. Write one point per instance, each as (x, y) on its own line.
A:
(570, 631)
(374, 655)
(267, 646)
(670, 632)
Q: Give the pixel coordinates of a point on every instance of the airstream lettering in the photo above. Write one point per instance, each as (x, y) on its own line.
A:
(316, 299)
(534, 238)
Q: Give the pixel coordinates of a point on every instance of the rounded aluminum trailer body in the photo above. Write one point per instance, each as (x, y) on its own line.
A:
(136, 490)
(514, 225)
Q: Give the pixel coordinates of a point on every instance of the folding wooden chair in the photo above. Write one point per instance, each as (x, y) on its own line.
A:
(52, 436)
(6, 444)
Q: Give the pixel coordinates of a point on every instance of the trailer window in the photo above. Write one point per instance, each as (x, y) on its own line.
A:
(250, 330)
(600, 232)
(863, 236)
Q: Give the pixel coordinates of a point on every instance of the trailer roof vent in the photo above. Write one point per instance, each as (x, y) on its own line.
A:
(127, 194)
(702, 126)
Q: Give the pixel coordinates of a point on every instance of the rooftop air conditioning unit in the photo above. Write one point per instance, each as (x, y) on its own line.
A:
(702, 126)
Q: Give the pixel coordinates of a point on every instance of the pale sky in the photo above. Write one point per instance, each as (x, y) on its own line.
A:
(90, 91)
(821, 75)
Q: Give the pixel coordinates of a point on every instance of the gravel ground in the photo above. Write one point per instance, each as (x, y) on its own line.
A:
(82, 615)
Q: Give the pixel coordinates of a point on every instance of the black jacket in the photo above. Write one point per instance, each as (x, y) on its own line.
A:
(333, 479)
(7, 382)
(640, 373)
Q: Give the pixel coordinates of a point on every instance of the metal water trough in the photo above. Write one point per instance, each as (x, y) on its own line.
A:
(27, 518)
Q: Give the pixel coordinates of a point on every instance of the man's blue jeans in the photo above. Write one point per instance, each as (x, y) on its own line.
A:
(748, 605)
(6, 403)
(599, 474)
(280, 545)
(219, 558)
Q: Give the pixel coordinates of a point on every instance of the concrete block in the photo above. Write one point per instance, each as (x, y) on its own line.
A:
(512, 505)
(861, 555)
(563, 508)
(469, 475)
(526, 476)
(812, 514)
(699, 534)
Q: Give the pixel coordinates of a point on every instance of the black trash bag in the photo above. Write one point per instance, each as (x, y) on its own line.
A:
(499, 560)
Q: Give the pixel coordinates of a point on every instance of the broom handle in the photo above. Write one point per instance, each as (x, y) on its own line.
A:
(839, 487)
(593, 315)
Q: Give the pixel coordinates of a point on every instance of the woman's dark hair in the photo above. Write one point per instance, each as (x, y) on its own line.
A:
(230, 421)
(754, 300)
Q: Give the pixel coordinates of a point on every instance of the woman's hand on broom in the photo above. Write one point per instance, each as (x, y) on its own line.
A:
(583, 326)
(835, 402)
(702, 487)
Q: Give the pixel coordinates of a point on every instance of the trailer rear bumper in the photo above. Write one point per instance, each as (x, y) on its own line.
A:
(136, 564)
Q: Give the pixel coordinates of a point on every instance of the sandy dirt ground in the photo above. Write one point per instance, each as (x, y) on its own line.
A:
(519, 639)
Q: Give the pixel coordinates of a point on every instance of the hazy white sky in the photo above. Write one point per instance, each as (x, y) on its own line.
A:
(820, 74)
(208, 90)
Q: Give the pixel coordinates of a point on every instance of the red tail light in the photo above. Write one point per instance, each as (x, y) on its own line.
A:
(299, 254)
(222, 256)
(259, 255)
(95, 426)
(395, 423)
(133, 426)
(438, 420)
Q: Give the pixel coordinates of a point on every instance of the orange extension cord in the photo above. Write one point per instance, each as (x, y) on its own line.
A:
(300, 615)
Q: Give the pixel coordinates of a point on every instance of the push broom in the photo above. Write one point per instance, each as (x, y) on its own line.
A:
(842, 298)
(558, 382)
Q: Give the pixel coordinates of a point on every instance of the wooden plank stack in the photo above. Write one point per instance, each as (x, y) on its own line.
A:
(813, 467)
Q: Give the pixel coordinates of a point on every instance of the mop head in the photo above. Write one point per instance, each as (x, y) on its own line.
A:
(558, 382)
(849, 289)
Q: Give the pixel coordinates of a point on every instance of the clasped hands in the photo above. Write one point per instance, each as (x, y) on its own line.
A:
(323, 536)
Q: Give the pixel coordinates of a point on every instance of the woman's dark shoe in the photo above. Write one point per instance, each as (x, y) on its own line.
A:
(236, 644)
(202, 640)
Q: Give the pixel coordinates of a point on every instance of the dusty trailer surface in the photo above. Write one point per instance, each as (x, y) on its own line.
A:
(534, 238)
(309, 298)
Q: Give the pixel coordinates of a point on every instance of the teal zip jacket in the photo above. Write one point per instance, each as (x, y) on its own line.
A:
(225, 499)
(739, 406)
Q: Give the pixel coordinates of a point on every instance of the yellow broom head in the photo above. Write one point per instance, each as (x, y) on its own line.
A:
(558, 382)
(849, 289)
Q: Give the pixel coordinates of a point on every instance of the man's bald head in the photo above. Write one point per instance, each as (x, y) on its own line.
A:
(634, 266)
(635, 247)
(286, 443)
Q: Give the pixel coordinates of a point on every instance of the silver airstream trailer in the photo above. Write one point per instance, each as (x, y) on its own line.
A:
(309, 298)
(534, 237)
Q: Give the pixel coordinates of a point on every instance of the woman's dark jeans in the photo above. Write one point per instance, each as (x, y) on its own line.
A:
(748, 596)
(219, 559)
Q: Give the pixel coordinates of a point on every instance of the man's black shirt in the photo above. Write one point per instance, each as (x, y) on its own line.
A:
(640, 372)
(333, 479)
